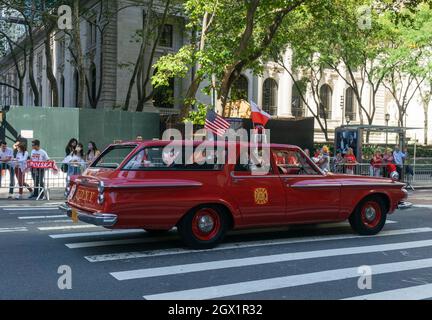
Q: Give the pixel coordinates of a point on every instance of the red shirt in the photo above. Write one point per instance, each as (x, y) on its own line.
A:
(377, 162)
(350, 159)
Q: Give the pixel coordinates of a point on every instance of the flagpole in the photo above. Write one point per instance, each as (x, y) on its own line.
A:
(213, 79)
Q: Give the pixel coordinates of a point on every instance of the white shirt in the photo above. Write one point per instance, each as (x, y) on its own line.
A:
(21, 160)
(39, 155)
(7, 154)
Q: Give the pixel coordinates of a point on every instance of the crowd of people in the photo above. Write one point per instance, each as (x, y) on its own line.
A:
(14, 161)
(382, 163)
(76, 157)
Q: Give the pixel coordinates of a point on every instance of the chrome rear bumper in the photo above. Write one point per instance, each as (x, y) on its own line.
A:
(97, 219)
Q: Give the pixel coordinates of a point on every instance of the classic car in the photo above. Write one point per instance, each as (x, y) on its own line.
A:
(134, 185)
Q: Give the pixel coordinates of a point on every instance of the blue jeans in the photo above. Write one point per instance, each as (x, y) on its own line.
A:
(7, 167)
(73, 170)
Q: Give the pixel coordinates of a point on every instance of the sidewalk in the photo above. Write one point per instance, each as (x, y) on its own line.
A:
(56, 195)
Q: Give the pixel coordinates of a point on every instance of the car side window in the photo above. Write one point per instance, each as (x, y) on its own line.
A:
(157, 158)
(292, 162)
(248, 168)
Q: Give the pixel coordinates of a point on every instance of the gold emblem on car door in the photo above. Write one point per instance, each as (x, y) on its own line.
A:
(261, 196)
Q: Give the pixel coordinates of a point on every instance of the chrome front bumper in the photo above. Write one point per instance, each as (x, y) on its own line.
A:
(98, 219)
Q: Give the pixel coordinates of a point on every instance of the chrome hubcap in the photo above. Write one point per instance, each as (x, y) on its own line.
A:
(370, 214)
(206, 224)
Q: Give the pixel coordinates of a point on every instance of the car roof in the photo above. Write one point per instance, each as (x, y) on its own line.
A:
(158, 143)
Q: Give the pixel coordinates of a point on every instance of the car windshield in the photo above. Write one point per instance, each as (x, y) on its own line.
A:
(112, 157)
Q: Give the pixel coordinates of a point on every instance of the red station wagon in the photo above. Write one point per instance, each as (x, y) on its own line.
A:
(132, 185)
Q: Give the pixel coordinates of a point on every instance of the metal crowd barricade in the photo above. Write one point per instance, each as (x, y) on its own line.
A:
(53, 177)
(414, 175)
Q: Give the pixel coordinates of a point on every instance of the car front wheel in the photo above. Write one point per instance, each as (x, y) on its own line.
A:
(203, 227)
(370, 216)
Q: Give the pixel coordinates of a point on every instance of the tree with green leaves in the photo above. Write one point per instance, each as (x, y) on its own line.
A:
(228, 37)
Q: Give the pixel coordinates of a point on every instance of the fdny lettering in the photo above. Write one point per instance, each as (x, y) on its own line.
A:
(87, 196)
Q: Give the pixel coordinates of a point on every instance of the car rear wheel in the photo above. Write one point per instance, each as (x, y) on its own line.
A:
(370, 216)
(203, 227)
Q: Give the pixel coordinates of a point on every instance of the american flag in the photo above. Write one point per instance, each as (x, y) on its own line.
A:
(216, 123)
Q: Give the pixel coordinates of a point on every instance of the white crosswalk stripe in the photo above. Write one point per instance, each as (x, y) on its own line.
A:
(260, 260)
(95, 234)
(412, 293)
(93, 244)
(84, 226)
(41, 217)
(255, 286)
(240, 245)
(10, 230)
(31, 209)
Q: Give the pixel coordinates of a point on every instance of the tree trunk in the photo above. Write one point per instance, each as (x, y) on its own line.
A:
(190, 97)
(33, 83)
(50, 71)
(79, 60)
(21, 92)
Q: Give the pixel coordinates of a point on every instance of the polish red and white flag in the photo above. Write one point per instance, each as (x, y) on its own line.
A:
(259, 116)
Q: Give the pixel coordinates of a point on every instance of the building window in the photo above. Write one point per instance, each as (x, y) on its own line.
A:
(350, 104)
(270, 95)
(92, 32)
(61, 51)
(39, 65)
(240, 89)
(325, 101)
(76, 88)
(40, 94)
(62, 91)
(166, 37)
(297, 105)
(163, 96)
(93, 81)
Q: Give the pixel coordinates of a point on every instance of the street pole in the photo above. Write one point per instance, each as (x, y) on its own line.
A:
(387, 119)
(415, 156)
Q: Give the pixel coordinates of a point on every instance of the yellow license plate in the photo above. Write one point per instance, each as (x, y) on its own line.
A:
(74, 216)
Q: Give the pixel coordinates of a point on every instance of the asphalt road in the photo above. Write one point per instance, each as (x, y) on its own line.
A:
(313, 262)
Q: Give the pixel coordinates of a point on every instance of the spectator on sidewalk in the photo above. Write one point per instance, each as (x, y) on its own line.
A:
(38, 175)
(6, 156)
(324, 160)
(75, 160)
(338, 163)
(387, 160)
(399, 160)
(93, 152)
(350, 161)
(20, 160)
(376, 164)
(68, 151)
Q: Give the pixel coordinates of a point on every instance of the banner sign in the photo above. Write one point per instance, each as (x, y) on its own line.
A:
(50, 165)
